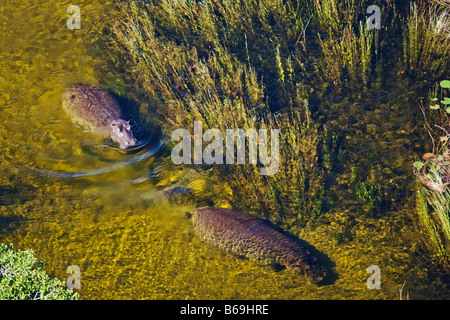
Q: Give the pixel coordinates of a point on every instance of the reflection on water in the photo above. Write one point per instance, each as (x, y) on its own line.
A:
(79, 202)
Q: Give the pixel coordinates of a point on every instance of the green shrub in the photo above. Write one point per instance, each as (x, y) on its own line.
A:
(22, 277)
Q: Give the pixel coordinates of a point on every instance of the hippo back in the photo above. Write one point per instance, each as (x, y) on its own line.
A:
(246, 235)
(92, 107)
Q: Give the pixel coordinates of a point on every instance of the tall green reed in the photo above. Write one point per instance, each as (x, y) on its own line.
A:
(426, 44)
(349, 56)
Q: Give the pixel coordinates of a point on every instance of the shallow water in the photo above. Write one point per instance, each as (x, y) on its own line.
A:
(75, 201)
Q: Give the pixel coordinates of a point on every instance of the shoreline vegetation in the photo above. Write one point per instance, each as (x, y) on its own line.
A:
(433, 176)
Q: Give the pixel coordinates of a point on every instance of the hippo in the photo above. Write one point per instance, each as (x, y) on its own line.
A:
(98, 110)
(246, 235)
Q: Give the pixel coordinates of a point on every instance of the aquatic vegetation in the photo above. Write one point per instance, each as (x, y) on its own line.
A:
(343, 236)
(433, 213)
(22, 277)
(268, 35)
(433, 176)
(426, 44)
(222, 87)
(436, 115)
(440, 19)
(351, 54)
(334, 15)
(368, 194)
(295, 194)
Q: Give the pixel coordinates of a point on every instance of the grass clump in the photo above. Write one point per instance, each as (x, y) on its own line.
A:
(268, 35)
(433, 176)
(194, 63)
(426, 41)
(433, 210)
(335, 15)
(295, 195)
(349, 55)
(352, 52)
(22, 277)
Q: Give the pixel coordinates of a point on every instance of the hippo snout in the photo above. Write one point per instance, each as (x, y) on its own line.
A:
(121, 133)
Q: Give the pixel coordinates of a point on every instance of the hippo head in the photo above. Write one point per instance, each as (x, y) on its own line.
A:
(121, 133)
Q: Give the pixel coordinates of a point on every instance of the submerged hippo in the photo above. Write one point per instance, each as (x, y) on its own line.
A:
(246, 235)
(97, 109)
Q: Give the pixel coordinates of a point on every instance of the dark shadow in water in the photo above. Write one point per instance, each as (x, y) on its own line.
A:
(10, 196)
(9, 223)
(144, 131)
(14, 195)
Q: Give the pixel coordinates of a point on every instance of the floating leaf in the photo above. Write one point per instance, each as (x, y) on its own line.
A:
(447, 109)
(440, 158)
(445, 84)
(418, 165)
(443, 139)
(434, 99)
(445, 101)
(434, 107)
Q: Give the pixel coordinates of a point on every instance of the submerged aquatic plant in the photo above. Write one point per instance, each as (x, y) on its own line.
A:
(352, 51)
(367, 194)
(349, 55)
(335, 15)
